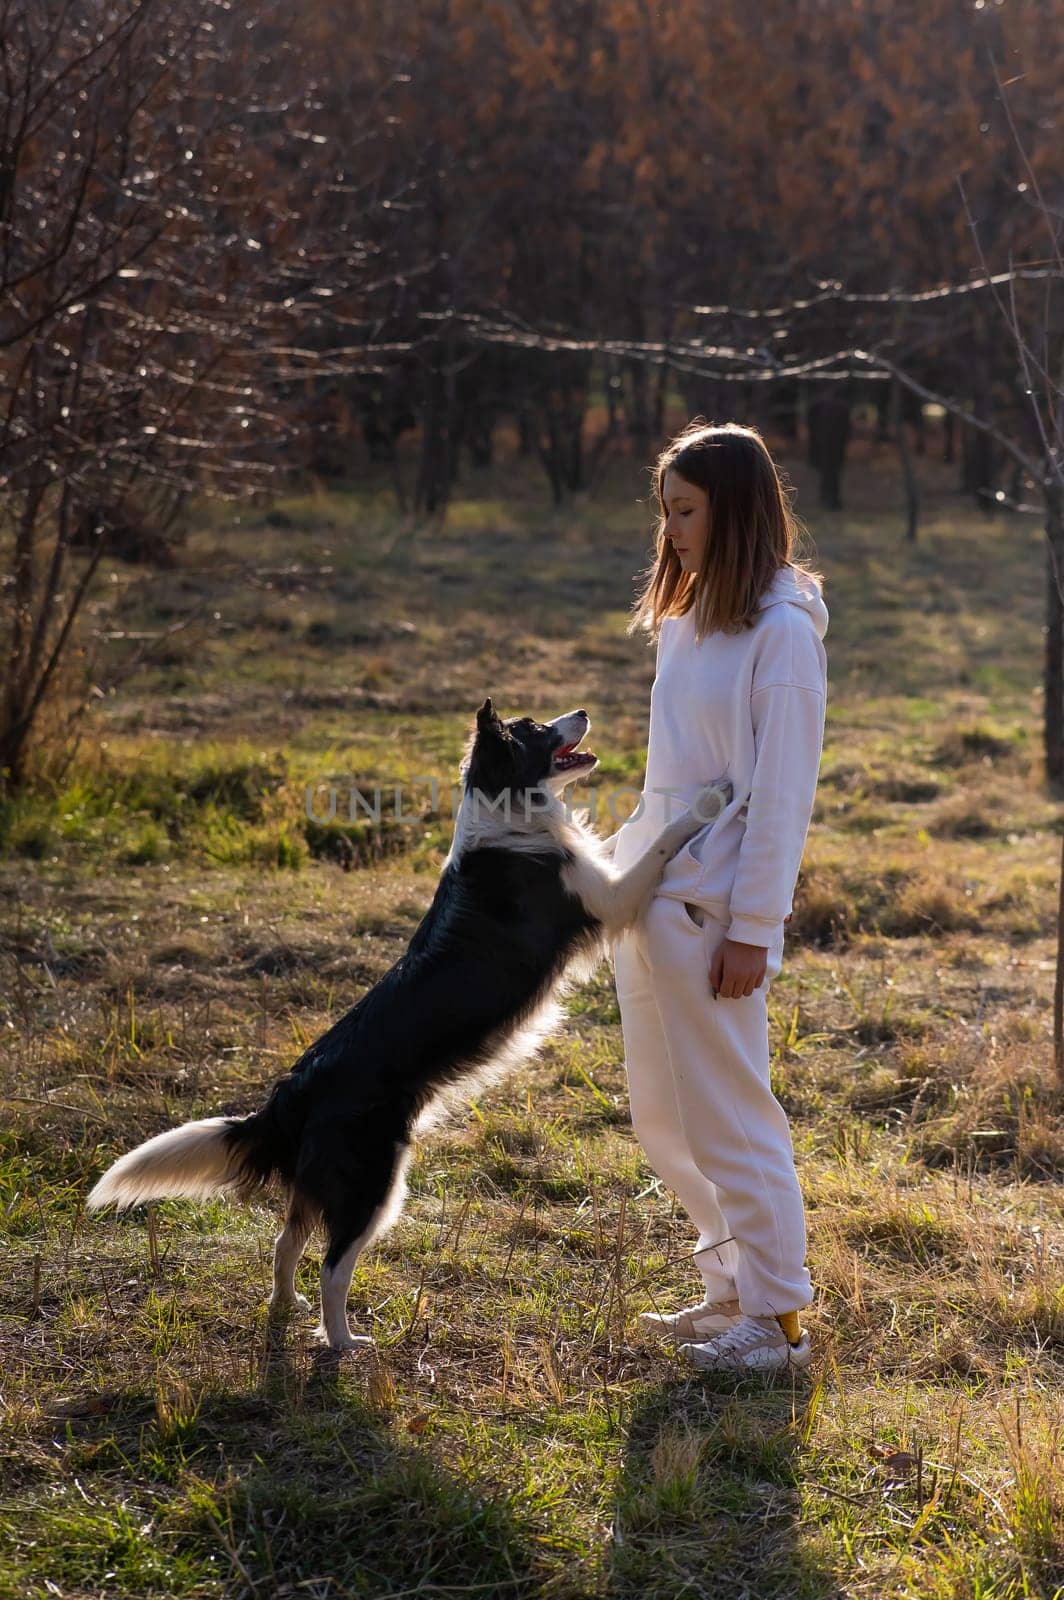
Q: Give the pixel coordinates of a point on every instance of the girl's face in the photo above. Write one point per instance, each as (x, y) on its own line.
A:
(686, 509)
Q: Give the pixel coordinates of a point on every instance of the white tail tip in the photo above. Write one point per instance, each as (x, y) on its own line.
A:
(195, 1161)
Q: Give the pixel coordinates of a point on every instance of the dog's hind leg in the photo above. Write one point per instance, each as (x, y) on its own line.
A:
(288, 1247)
(359, 1216)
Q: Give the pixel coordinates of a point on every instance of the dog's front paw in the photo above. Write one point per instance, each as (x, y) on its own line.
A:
(706, 807)
(710, 801)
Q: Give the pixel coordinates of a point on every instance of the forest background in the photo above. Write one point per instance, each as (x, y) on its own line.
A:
(334, 347)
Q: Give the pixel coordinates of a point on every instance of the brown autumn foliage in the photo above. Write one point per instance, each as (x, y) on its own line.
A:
(233, 239)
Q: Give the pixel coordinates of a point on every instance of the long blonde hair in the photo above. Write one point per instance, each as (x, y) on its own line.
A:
(753, 532)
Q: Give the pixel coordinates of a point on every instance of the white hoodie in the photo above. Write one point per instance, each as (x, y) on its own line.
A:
(749, 707)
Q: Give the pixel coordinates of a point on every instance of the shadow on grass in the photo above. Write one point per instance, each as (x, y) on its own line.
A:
(707, 1505)
(307, 1483)
(315, 1480)
(350, 1502)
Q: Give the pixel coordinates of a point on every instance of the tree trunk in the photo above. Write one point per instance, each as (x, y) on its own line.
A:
(612, 384)
(829, 433)
(779, 408)
(526, 428)
(638, 402)
(979, 463)
(912, 490)
(1053, 719)
(1054, 723)
(1058, 982)
(14, 740)
(661, 385)
(978, 451)
(437, 424)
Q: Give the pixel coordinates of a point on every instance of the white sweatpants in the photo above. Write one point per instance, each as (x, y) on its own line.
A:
(704, 1111)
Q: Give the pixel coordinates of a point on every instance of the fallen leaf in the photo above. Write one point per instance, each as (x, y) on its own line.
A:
(893, 1459)
(83, 1405)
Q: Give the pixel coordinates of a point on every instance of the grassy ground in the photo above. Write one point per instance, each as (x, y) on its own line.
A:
(175, 929)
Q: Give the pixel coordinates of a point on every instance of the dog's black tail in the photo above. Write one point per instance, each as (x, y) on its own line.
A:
(198, 1159)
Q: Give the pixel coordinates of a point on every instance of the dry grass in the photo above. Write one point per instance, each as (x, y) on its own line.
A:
(173, 935)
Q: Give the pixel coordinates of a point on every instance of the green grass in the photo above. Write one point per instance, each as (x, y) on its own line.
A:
(175, 929)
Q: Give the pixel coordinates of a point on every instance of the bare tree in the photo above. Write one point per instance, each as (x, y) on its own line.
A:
(1036, 327)
(169, 254)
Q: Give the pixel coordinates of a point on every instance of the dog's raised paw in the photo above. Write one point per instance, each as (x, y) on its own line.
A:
(710, 801)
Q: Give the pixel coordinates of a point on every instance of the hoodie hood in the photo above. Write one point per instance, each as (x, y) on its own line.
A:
(793, 587)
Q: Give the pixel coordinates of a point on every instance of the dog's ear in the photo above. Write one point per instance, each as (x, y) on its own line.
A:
(488, 719)
(491, 756)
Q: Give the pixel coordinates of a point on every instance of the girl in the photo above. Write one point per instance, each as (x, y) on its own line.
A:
(739, 692)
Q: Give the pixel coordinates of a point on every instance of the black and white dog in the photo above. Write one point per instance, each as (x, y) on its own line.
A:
(524, 907)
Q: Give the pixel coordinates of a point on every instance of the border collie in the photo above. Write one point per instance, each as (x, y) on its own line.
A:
(527, 901)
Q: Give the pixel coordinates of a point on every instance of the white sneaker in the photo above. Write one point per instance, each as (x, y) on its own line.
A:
(754, 1344)
(696, 1322)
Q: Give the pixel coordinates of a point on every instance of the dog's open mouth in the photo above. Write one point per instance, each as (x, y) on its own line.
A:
(570, 759)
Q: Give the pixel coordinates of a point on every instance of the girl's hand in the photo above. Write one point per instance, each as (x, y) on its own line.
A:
(737, 969)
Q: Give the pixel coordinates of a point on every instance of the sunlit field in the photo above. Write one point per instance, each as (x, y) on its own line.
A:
(175, 928)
